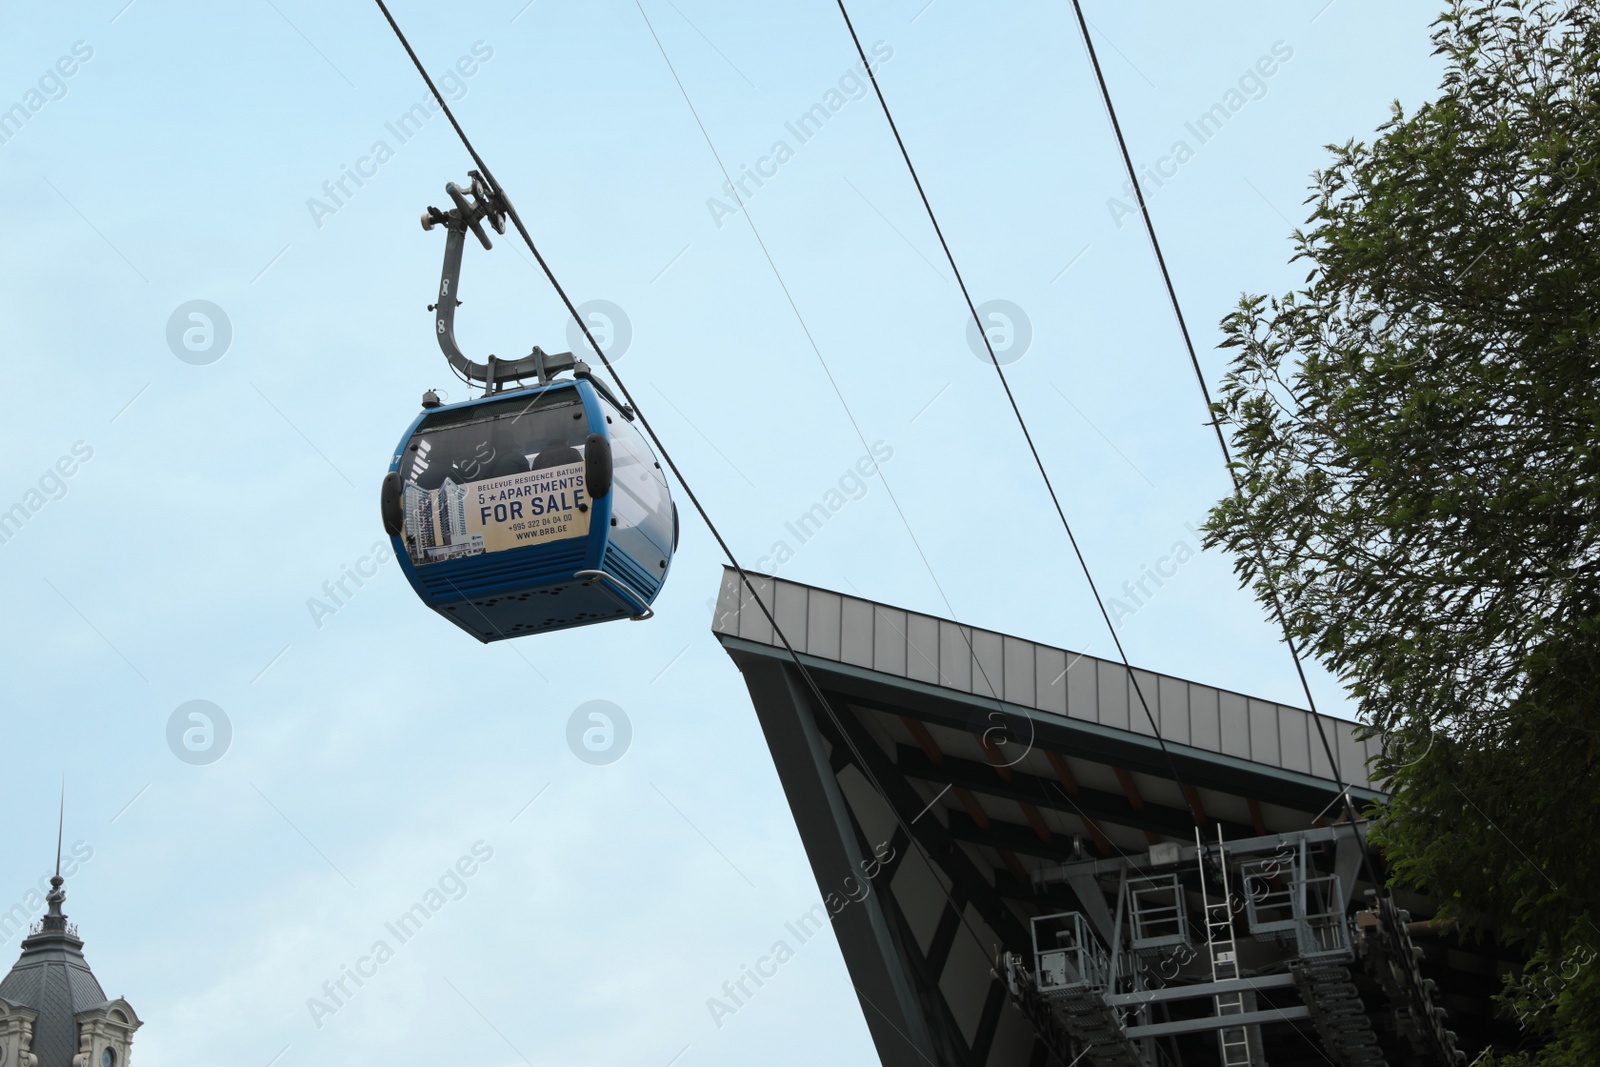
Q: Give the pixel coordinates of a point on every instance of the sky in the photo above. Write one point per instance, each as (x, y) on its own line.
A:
(192, 486)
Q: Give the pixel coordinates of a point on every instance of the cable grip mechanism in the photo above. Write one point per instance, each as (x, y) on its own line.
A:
(477, 203)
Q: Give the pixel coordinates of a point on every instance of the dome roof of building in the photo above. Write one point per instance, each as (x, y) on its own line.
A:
(52, 978)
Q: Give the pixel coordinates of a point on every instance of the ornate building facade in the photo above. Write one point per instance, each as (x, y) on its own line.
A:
(53, 1012)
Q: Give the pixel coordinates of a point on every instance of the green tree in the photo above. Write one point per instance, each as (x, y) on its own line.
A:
(1417, 436)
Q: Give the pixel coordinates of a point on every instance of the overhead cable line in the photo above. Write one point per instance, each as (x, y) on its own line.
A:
(845, 405)
(812, 342)
(1222, 441)
(1011, 397)
(994, 691)
(744, 577)
(1033, 449)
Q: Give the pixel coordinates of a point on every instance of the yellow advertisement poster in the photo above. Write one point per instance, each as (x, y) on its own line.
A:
(527, 509)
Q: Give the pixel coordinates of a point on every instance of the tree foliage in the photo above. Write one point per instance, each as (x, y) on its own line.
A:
(1417, 439)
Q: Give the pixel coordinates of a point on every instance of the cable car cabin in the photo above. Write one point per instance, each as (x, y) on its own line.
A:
(529, 511)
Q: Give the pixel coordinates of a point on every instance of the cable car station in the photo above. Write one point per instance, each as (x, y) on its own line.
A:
(1062, 898)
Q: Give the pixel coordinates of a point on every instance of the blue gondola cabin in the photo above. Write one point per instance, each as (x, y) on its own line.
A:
(530, 511)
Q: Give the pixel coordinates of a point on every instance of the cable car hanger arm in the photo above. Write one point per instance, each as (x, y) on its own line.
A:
(473, 205)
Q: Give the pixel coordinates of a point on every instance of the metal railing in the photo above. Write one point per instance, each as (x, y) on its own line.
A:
(1067, 954)
(1159, 914)
(1282, 904)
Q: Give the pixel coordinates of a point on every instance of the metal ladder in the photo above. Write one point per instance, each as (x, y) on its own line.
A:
(1234, 1041)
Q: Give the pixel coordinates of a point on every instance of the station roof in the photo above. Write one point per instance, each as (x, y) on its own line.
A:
(1233, 750)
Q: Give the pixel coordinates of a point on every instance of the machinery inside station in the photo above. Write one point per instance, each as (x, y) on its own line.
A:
(1233, 942)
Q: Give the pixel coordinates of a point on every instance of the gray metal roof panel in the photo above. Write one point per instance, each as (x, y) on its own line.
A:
(924, 648)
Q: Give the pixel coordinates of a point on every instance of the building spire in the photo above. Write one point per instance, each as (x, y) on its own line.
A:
(61, 823)
(54, 918)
